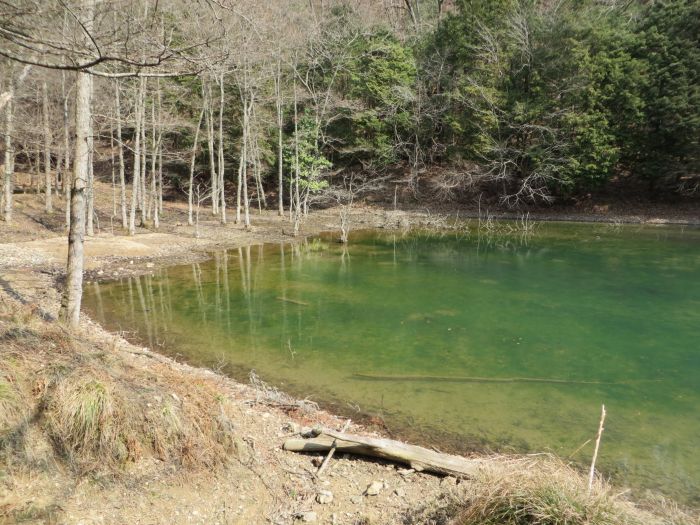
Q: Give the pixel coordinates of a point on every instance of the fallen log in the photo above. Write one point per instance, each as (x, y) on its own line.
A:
(418, 458)
(468, 379)
(475, 379)
(293, 301)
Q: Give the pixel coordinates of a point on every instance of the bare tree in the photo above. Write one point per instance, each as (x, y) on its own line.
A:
(136, 180)
(72, 296)
(47, 147)
(190, 187)
(9, 166)
(120, 145)
(221, 175)
(344, 194)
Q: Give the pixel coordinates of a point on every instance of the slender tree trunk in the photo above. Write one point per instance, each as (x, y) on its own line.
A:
(297, 200)
(114, 168)
(9, 151)
(142, 188)
(135, 183)
(209, 123)
(190, 196)
(160, 175)
(221, 151)
(91, 176)
(259, 190)
(280, 131)
(122, 175)
(72, 294)
(160, 151)
(59, 171)
(36, 174)
(246, 134)
(242, 165)
(47, 149)
(67, 177)
(153, 206)
(241, 162)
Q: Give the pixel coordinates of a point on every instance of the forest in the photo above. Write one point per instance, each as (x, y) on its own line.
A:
(276, 104)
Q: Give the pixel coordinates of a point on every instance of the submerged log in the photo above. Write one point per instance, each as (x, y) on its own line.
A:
(418, 458)
(293, 301)
(469, 379)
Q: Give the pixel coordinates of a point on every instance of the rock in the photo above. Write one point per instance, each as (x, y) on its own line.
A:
(374, 488)
(307, 432)
(356, 500)
(324, 497)
(291, 427)
(401, 493)
(317, 461)
(308, 517)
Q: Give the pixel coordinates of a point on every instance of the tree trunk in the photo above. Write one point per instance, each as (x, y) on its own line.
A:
(36, 174)
(246, 134)
(142, 187)
(209, 123)
(160, 151)
(135, 183)
(113, 166)
(72, 294)
(280, 130)
(91, 176)
(153, 206)
(67, 177)
(9, 151)
(190, 195)
(241, 162)
(297, 200)
(221, 152)
(122, 177)
(47, 149)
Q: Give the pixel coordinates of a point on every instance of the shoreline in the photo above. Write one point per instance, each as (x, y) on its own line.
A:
(37, 286)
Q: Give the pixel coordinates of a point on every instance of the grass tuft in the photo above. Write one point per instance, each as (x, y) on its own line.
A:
(541, 491)
(85, 420)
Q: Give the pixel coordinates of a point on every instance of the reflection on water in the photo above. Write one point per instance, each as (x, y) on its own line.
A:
(509, 343)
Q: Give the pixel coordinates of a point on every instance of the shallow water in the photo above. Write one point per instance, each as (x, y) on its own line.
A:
(506, 343)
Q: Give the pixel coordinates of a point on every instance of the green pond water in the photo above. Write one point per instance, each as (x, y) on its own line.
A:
(441, 336)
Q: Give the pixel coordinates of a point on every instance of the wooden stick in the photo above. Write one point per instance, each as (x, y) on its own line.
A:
(331, 452)
(595, 452)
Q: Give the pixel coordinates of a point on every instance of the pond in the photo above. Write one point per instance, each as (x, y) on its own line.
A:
(502, 342)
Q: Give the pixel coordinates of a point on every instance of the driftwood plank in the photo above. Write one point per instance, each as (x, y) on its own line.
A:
(418, 458)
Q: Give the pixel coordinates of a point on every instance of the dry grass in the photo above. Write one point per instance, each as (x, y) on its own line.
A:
(543, 491)
(100, 409)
